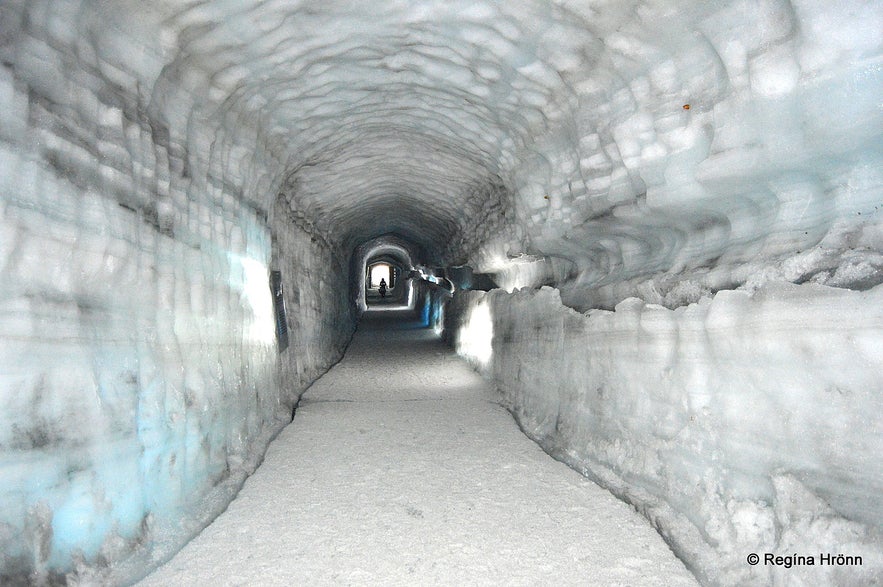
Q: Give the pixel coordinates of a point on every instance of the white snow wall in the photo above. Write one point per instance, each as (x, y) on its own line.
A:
(664, 149)
(140, 379)
(746, 423)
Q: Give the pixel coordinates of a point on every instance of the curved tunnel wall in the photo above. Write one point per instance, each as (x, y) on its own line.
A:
(405, 254)
(157, 161)
(141, 377)
(740, 424)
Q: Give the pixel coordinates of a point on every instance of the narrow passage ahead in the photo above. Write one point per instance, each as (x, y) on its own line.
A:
(401, 468)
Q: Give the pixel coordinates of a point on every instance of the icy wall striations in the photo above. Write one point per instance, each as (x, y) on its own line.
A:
(704, 143)
(140, 378)
(620, 142)
(746, 423)
(158, 158)
(319, 310)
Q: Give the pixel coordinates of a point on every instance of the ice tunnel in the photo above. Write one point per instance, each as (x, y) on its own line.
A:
(677, 204)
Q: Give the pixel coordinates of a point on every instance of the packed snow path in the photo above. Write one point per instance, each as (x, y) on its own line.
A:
(401, 468)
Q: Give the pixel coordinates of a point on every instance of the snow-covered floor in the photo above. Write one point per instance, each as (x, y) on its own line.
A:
(401, 468)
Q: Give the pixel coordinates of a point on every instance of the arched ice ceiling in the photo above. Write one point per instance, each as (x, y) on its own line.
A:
(626, 137)
(389, 117)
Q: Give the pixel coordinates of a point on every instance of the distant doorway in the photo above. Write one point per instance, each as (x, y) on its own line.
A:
(377, 272)
(383, 284)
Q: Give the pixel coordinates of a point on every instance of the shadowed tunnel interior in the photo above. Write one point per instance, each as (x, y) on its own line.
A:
(654, 225)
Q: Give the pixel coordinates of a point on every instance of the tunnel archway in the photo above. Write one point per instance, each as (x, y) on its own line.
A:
(380, 271)
(682, 200)
(388, 272)
(390, 250)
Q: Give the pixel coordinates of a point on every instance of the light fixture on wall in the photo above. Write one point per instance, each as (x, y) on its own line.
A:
(279, 310)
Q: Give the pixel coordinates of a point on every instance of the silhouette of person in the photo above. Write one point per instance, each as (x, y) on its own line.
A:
(382, 288)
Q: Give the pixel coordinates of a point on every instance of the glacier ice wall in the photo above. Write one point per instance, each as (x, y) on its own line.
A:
(141, 379)
(157, 159)
(746, 423)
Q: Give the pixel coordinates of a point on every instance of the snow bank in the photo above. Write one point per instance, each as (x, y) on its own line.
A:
(157, 158)
(140, 377)
(746, 423)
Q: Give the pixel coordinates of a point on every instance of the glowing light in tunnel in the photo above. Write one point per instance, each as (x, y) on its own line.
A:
(378, 272)
(255, 294)
(477, 334)
(515, 272)
(439, 325)
(427, 276)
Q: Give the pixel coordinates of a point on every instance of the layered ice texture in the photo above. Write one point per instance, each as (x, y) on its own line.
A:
(746, 423)
(709, 172)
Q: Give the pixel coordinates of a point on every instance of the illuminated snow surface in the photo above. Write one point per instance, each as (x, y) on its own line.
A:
(659, 158)
(401, 468)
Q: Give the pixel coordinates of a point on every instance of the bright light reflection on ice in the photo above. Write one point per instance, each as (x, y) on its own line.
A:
(476, 337)
(439, 325)
(256, 295)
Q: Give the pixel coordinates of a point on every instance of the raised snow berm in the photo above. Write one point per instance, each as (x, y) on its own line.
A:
(744, 423)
